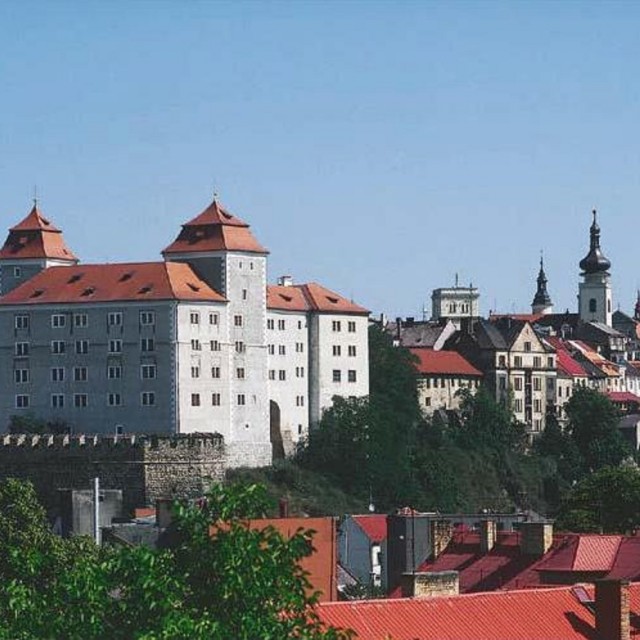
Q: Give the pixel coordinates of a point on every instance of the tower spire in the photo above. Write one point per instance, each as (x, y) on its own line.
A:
(541, 301)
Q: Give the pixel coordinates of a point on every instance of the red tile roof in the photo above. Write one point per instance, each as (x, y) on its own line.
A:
(374, 525)
(215, 229)
(565, 363)
(113, 282)
(35, 237)
(525, 317)
(596, 553)
(309, 297)
(443, 362)
(536, 614)
(623, 396)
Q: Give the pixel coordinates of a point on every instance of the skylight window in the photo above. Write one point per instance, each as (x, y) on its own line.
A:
(74, 278)
(37, 293)
(89, 291)
(145, 289)
(193, 287)
(332, 299)
(125, 276)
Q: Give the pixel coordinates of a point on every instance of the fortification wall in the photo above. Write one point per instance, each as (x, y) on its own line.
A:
(144, 467)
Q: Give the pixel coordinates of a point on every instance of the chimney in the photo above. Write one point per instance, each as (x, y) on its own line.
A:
(441, 534)
(283, 507)
(399, 329)
(430, 584)
(285, 281)
(488, 535)
(164, 514)
(612, 610)
(536, 538)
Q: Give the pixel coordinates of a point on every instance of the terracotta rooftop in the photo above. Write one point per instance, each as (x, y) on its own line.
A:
(566, 364)
(113, 282)
(623, 396)
(35, 237)
(535, 614)
(443, 362)
(215, 229)
(309, 297)
(374, 525)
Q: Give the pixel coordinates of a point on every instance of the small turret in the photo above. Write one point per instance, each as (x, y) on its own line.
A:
(542, 301)
(595, 261)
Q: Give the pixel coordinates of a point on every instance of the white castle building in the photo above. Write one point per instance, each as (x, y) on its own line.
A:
(196, 343)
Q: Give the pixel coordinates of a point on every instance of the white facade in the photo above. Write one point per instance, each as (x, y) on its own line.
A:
(455, 304)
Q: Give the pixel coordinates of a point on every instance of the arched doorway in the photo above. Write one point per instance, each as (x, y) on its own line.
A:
(277, 447)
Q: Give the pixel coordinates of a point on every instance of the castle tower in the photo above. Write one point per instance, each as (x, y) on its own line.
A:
(222, 251)
(594, 293)
(636, 311)
(31, 246)
(542, 301)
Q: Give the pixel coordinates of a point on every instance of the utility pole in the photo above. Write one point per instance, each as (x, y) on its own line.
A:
(96, 512)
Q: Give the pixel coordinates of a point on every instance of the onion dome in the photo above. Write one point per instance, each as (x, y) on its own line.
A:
(542, 298)
(595, 261)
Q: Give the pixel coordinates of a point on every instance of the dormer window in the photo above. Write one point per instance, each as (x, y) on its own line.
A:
(125, 276)
(89, 291)
(74, 278)
(37, 293)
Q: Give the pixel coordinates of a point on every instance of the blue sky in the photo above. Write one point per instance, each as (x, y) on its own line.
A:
(375, 147)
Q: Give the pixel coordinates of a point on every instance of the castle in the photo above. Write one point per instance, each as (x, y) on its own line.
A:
(196, 343)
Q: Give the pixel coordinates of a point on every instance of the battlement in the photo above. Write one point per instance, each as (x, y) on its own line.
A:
(182, 441)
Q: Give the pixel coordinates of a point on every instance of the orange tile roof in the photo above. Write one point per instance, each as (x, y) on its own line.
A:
(443, 362)
(596, 553)
(533, 614)
(374, 525)
(309, 297)
(113, 282)
(35, 237)
(215, 229)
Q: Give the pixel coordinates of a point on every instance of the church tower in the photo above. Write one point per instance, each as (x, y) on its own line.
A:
(32, 245)
(594, 293)
(542, 301)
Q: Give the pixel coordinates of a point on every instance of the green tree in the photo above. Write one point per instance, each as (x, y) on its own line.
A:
(215, 579)
(607, 501)
(593, 427)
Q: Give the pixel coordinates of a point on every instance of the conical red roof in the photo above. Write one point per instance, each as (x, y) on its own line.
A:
(215, 229)
(36, 237)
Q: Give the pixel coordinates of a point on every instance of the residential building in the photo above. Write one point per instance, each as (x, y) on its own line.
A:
(362, 547)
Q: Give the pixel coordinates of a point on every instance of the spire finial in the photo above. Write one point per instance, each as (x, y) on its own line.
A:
(215, 196)
(595, 214)
(541, 258)
(456, 280)
(35, 195)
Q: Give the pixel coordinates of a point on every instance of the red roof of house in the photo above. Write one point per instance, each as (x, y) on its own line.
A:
(535, 614)
(623, 396)
(443, 362)
(525, 317)
(215, 229)
(374, 525)
(566, 364)
(113, 282)
(309, 297)
(35, 237)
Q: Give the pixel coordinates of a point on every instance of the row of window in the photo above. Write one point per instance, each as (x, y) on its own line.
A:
(81, 400)
(81, 374)
(517, 361)
(351, 375)
(454, 382)
(517, 406)
(215, 345)
(271, 324)
(216, 399)
(351, 350)
(336, 325)
(214, 318)
(81, 320)
(81, 347)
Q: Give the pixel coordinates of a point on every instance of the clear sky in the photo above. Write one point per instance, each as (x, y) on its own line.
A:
(375, 147)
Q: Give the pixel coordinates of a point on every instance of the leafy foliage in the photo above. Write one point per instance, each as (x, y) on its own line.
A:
(225, 581)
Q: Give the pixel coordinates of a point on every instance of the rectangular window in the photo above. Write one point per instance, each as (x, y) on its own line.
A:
(240, 373)
(282, 350)
(215, 399)
(80, 320)
(17, 272)
(148, 398)
(550, 384)
(215, 372)
(517, 384)
(80, 400)
(147, 318)
(195, 371)
(22, 401)
(241, 400)
(114, 318)
(195, 345)
(115, 346)
(517, 361)
(114, 372)
(352, 326)
(537, 385)
(22, 321)
(352, 350)
(194, 317)
(58, 321)
(351, 375)
(214, 345)
(114, 400)
(213, 318)
(550, 362)
(57, 400)
(148, 371)
(57, 374)
(21, 375)
(272, 349)
(57, 347)
(336, 326)
(518, 406)
(282, 374)
(149, 344)
(195, 399)
(336, 350)
(281, 325)
(299, 372)
(270, 323)
(299, 401)
(82, 347)
(337, 375)
(244, 294)
(527, 346)
(299, 347)
(239, 346)
(237, 321)
(537, 362)
(272, 374)
(537, 406)
(80, 374)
